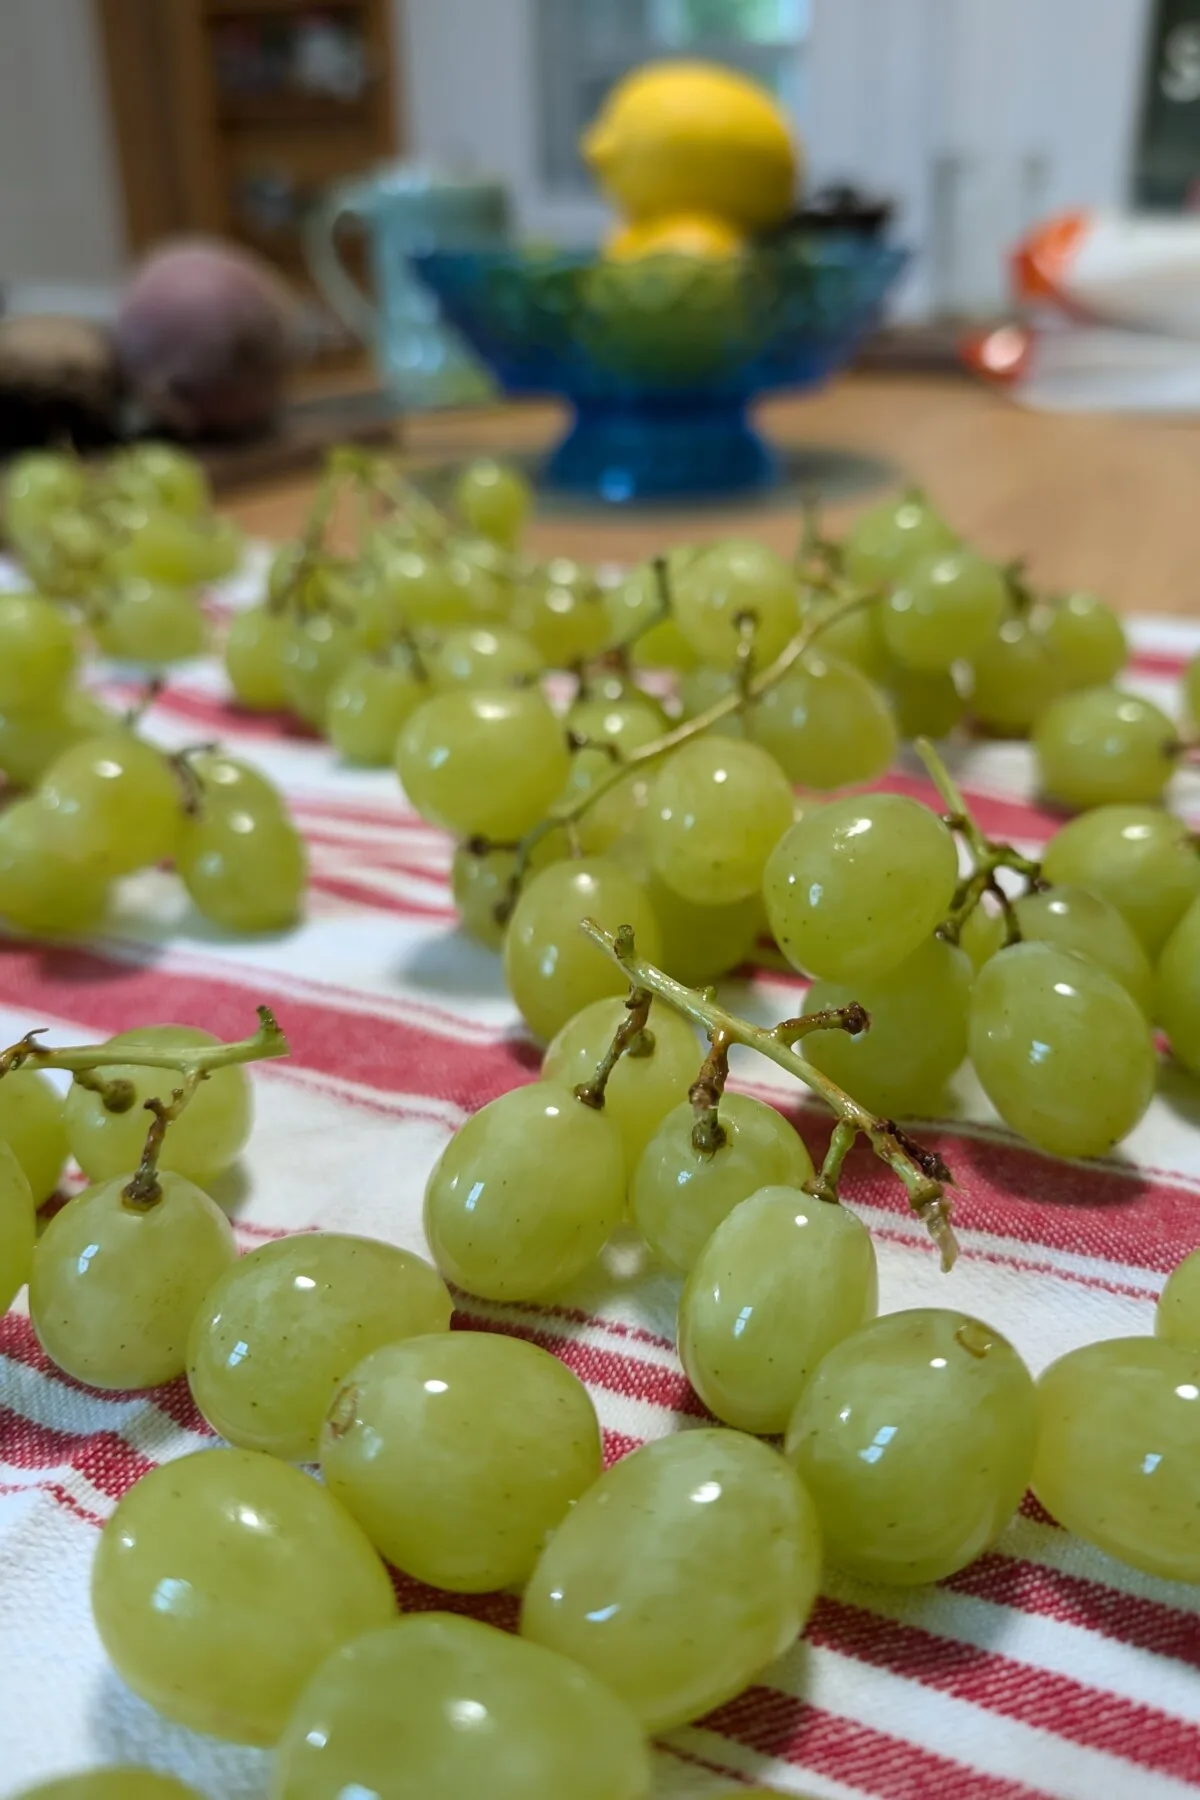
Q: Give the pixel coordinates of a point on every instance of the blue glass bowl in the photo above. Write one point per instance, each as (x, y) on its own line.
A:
(659, 357)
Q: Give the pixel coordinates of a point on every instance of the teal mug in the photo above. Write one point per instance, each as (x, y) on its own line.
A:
(405, 211)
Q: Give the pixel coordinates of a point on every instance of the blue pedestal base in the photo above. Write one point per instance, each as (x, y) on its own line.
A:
(619, 452)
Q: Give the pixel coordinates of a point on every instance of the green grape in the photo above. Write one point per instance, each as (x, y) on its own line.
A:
(18, 1224)
(565, 622)
(616, 817)
(946, 607)
(983, 933)
(915, 1438)
(254, 658)
(884, 542)
(728, 582)
(222, 547)
(917, 1037)
(1118, 1451)
(31, 1124)
(1015, 678)
(485, 573)
(701, 943)
(167, 547)
(372, 607)
(1142, 859)
(484, 762)
(525, 1194)
(855, 886)
(30, 742)
(115, 1284)
(780, 1281)
(627, 724)
(278, 1333)
(1191, 690)
(679, 1195)
(642, 1088)
(113, 801)
(717, 810)
(1100, 747)
(481, 879)
(633, 604)
(1073, 918)
(209, 1133)
(1086, 639)
(397, 1715)
(924, 703)
(152, 624)
(368, 706)
(315, 652)
(493, 499)
(245, 867)
(855, 637)
(553, 971)
(483, 656)
(225, 782)
(1177, 1315)
(1176, 990)
(45, 890)
(112, 1784)
(701, 688)
(442, 591)
(686, 1569)
(38, 484)
(664, 646)
(460, 1454)
(161, 475)
(825, 724)
(1062, 1051)
(37, 653)
(222, 1582)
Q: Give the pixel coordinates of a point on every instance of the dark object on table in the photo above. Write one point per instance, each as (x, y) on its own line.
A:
(205, 337)
(59, 383)
(840, 207)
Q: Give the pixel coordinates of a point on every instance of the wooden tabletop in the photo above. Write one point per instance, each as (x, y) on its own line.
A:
(1111, 504)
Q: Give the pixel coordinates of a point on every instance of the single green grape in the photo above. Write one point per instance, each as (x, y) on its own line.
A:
(38, 484)
(1142, 859)
(525, 1194)
(634, 604)
(152, 624)
(254, 658)
(915, 1439)
(780, 1281)
(944, 609)
(1191, 690)
(983, 933)
(1073, 918)
(701, 943)
(1100, 747)
(1118, 1451)
(164, 546)
(245, 867)
(38, 653)
(825, 724)
(484, 762)
(210, 1132)
(855, 637)
(481, 879)
(1086, 639)
(155, 474)
(1015, 677)
(18, 1225)
(32, 1125)
(857, 885)
(368, 706)
(552, 970)
(30, 742)
(1177, 1315)
(884, 542)
(917, 1037)
(372, 608)
(701, 688)
(483, 656)
(679, 1194)
(924, 703)
(436, 1707)
(45, 889)
(460, 1454)
(116, 1284)
(729, 582)
(686, 1569)
(222, 1582)
(441, 591)
(664, 646)
(717, 810)
(112, 1784)
(627, 724)
(1063, 1052)
(617, 815)
(315, 652)
(1176, 1004)
(278, 1333)
(226, 782)
(643, 1087)
(493, 499)
(113, 801)
(566, 621)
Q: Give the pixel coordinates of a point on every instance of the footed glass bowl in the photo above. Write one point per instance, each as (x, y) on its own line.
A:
(659, 357)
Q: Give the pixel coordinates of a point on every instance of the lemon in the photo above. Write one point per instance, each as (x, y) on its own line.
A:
(701, 235)
(692, 137)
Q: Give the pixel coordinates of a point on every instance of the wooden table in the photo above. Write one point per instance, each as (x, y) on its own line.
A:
(1105, 503)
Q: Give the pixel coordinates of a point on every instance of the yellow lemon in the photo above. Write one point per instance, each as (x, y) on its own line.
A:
(692, 137)
(700, 235)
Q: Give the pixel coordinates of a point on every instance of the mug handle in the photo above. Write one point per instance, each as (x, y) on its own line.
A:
(350, 200)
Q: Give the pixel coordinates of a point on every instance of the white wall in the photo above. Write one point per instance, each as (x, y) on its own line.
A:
(60, 211)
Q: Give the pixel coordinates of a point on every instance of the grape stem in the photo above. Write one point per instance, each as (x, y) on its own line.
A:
(144, 1190)
(708, 1133)
(921, 1171)
(194, 1062)
(986, 856)
(631, 1038)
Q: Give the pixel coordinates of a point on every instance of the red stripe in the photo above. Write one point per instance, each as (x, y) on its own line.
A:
(363, 895)
(18, 1340)
(56, 1492)
(103, 1458)
(1170, 663)
(1000, 815)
